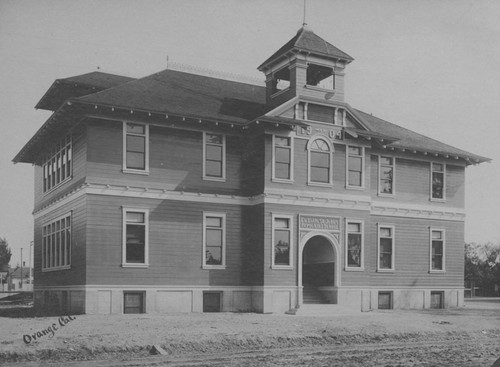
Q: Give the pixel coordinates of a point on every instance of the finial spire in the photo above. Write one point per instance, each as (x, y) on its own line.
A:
(304, 22)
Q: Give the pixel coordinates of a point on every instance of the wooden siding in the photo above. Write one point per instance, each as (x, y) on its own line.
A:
(175, 243)
(412, 253)
(253, 236)
(79, 158)
(253, 166)
(413, 184)
(175, 160)
(76, 274)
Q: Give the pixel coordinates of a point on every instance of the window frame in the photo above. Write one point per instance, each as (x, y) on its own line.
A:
(393, 256)
(204, 157)
(126, 210)
(291, 150)
(330, 160)
(125, 169)
(380, 165)
(47, 265)
(50, 182)
(223, 245)
(290, 229)
(432, 198)
(143, 302)
(443, 255)
(347, 267)
(362, 156)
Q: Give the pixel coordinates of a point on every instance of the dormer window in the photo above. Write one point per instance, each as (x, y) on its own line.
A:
(281, 80)
(320, 76)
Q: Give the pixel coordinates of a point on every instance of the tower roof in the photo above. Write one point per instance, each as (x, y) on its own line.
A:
(307, 40)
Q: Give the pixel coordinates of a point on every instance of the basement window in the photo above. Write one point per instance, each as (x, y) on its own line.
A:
(320, 76)
(133, 302)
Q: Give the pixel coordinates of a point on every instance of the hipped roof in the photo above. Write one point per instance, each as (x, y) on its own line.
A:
(195, 96)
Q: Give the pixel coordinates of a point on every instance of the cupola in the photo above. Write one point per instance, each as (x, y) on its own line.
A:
(306, 66)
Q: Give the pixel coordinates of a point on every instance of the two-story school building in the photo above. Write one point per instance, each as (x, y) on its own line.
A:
(180, 192)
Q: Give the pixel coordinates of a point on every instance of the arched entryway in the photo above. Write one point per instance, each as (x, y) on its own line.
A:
(319, 273)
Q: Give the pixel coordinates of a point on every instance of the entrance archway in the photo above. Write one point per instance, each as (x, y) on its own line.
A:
(319, 269)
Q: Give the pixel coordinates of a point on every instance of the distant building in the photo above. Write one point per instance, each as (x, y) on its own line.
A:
(19, 280)
(180, 192)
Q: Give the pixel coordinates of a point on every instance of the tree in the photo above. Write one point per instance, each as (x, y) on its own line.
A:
(482, 267)
(5, 253)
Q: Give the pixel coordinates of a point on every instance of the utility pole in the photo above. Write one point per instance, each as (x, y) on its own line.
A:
(31, 282)
(21, 268)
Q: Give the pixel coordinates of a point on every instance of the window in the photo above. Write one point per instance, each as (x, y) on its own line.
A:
(354, 245)
(214, 241)
(437, 250)
(386, 175)
(282, 240)
(320, 162)
(212, 301)
(133, 302)
(283, 158)
(437, 181)
(135, 238)
(385, 248)
(385, 300)
(58, 165)
(56, 244)
(281, 80)
(354, 166)
(135, 148)
(214, 153)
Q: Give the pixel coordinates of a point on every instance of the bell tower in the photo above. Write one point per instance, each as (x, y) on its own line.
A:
(306, 66)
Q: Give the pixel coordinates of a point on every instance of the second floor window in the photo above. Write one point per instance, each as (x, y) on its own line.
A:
(386, 175)
(282, 158)
(320, 162)
(136, 146)
(354, 166)
(214, 157)
(58, 167)
(437, 180)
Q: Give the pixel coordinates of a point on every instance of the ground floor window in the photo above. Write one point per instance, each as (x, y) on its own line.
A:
(212, 301)
(437, 250)
(385, 300)
(133, 302)
(214, 240)
(135, 237)
(282, 240)
(56, 244)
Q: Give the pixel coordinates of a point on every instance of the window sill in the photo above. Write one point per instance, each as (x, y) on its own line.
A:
(383, 195)
(319, 89)
(358, 188)
(391, 271)
(319, 184)
(136, 171)
(52, 189)
(217, 179)
(437, 271)
(437, 200)
(143, 266)
(354, 269)
(282, 180)
(67, 267)
(213, 267)
(282, 267)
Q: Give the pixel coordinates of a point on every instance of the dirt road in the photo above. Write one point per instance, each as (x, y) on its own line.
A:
(456, 337)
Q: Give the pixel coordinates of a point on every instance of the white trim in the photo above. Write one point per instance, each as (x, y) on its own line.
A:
(443, 199)
(223, 250)
(292, 240)
(362, 256)
(331, 152)
(393, 257)
(125, 169)
(443, 240)
(222, 178)
(292, 150)
(283, 107)
(363, 168)
(124, 263)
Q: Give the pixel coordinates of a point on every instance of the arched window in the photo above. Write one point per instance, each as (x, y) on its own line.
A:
(320, 161)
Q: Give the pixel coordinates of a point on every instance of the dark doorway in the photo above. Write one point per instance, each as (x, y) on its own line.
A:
(212, 301)
(318, 269)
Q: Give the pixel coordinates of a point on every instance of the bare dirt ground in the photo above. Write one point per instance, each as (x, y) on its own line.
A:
(454, 337)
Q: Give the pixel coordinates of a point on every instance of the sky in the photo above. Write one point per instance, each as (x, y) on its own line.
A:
(431, 66)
